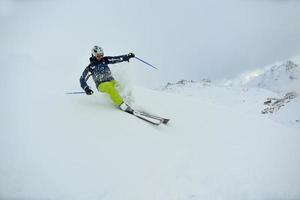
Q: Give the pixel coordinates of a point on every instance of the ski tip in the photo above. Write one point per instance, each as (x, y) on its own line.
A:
(165, 121)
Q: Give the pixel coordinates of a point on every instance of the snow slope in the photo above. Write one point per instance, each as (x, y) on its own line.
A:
(62, 147)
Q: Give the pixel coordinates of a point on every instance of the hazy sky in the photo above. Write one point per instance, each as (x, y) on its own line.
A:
(190, 39)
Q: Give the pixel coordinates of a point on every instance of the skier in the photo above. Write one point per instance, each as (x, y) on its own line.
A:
(99, 70)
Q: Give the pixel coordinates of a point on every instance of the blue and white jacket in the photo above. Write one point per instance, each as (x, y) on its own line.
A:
(99, 70)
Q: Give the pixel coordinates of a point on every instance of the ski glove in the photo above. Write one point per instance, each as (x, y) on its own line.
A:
(88, 91)
(128, 56)
(131, 55)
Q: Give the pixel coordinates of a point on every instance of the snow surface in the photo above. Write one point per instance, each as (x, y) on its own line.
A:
(217, 145)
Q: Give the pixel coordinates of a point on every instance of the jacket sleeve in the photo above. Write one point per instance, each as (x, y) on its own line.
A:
(116, 59)
(84, 77)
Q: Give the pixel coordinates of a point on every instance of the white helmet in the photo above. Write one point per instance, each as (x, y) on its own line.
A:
(97, 50)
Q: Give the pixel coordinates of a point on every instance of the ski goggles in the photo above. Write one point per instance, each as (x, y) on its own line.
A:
(99, 55)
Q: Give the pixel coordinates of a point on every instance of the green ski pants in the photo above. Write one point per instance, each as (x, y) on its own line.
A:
(110, 88)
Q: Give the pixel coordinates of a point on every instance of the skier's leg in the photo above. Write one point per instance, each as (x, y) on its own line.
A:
(109, 88)
(118, 86)
(124, 91)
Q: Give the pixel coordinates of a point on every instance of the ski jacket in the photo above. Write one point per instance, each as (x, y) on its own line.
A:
(99, 70)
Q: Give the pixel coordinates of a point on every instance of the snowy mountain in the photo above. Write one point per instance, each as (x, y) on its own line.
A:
(280, 77)
(184, 85)
(270, 90)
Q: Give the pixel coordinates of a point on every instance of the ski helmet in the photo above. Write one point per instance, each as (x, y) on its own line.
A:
(96, 50)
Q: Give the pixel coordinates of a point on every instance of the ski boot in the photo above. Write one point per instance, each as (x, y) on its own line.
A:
(126, 108)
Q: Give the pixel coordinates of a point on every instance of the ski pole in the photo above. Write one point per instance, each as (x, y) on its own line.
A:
(145, 62)
(75, 93)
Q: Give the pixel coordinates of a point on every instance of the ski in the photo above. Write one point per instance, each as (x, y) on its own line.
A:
(163, 120)
(153, 119)
(147, 118)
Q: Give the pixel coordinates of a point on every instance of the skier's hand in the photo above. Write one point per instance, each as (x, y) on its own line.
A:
(88, 91)
(128, 56)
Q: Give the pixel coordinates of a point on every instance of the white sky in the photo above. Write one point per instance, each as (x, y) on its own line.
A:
(190, 39)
